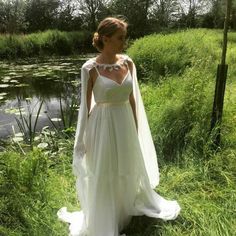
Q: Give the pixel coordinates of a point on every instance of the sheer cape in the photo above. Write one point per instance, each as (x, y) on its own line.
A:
(144, 133)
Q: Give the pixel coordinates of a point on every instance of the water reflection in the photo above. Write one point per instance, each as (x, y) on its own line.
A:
(55, 81)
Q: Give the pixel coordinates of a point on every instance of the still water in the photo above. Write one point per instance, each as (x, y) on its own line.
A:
(25, 84)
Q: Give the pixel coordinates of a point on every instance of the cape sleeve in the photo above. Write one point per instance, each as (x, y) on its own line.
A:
(80, 134)
(144, 133)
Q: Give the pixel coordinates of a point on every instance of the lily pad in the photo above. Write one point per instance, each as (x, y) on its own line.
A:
(42, 145)
(56, 119)
(17, 76)
(15, 111)
(6, 78)
(14, 81)
(19, 134)
(4, 85)
(17, 139)
(66, 64)
(21, 85)
(35, 115)
(37, 138)
(3, 94)
(12, 73)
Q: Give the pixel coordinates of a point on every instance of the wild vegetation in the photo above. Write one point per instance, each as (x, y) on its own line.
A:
(177, 78)
(47, 43)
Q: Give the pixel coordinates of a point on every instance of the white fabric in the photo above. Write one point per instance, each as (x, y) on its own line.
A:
(144, 134)
(116, 169)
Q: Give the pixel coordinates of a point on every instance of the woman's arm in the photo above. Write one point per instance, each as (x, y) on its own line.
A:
(131, 97)
(89, 94)
(90, 89)
(132, 103)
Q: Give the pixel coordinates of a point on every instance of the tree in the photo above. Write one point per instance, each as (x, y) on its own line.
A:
(67, 19)
(217, 13)
(233, 15)
(42, 14)
(190, 10)
(90, 11)
(164, 12)
(136, 12)
(12, 16)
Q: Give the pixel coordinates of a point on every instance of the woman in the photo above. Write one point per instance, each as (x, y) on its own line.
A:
(114, 156)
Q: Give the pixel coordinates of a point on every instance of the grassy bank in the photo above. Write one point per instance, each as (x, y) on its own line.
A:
(48, 43)
(178, 104)
(160, 55)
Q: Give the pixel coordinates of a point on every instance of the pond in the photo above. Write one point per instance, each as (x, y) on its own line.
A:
(44, 92)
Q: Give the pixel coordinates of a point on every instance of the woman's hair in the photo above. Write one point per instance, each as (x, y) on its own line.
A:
(107, 27)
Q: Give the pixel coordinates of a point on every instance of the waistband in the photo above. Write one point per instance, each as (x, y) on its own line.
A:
(112, 103)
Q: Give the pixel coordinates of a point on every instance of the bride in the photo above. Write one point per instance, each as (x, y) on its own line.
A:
(114, 158)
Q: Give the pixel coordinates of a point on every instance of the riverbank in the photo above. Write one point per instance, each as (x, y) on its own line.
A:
(177, 84)
(47, 43)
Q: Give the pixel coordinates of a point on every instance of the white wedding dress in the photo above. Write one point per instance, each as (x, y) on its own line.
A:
(113, 183)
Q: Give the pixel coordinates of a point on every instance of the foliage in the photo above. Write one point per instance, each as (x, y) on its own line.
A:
(160, 55)
(12, 16)
(179, 102)
(28, 194)
(144, 16)
(178, 106)
(51, 42)
(26, 124)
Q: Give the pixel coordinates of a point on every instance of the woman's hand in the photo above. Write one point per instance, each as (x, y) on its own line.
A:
(79, 150)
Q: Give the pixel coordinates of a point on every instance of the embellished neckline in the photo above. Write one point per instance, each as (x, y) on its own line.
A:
(115, 66)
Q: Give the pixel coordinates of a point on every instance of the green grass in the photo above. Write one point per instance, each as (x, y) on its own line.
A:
(178, 105)
(159, 55)
(47, 43)
(35, 188)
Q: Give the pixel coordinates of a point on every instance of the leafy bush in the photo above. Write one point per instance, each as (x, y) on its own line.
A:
(160, 55)
(50, 42)
(32, 190)
(179, 104)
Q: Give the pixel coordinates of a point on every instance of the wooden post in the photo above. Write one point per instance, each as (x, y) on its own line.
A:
(221, 81)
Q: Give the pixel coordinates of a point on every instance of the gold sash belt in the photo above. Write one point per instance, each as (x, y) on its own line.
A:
(112, 103)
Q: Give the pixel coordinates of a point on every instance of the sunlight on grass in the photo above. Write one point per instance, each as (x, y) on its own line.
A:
(177, 79)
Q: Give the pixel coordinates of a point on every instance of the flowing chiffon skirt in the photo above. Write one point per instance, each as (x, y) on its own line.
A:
(113, 185)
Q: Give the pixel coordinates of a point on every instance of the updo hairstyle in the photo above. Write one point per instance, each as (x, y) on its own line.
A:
(107, 27)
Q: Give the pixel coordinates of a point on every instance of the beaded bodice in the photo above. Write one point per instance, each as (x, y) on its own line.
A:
(107, 90)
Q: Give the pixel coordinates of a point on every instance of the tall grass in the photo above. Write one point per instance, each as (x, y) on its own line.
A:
(161, 55)
(178, 106)
(48, 43)
(32, 190)
(26, 124)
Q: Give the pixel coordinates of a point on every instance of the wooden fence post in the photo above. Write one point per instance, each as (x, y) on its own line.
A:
(220, 81)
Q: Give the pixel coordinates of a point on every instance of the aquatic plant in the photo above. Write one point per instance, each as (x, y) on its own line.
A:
(25, 122)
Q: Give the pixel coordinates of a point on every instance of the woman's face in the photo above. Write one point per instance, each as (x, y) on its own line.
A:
(115, 43)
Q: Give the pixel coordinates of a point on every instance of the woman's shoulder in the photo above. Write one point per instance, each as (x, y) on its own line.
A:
(125, 57)
(127, 60)
(89, 64)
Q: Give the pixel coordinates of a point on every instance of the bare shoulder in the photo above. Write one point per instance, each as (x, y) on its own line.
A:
(92, 74)
(129, 61)
(130, 65)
